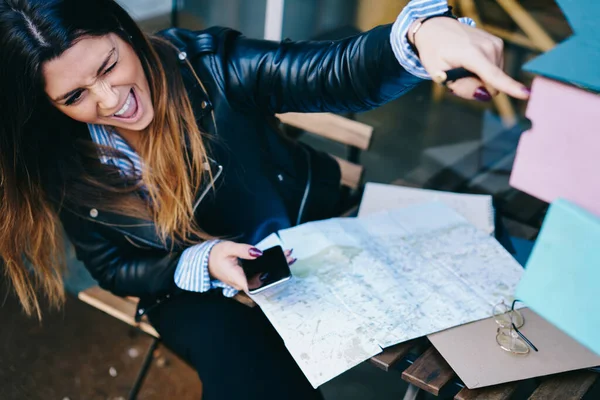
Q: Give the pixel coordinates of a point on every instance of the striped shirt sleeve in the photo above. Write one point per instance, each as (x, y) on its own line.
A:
(413, 11)
(192, 274)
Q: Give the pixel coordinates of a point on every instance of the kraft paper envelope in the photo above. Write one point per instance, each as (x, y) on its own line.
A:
(562, 277)
(560, 155)
(472, 352)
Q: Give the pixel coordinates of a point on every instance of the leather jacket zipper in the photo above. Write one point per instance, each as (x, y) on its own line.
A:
(208, 187)
(306, 188)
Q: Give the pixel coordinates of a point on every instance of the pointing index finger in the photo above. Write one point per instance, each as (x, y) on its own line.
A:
(497, 78)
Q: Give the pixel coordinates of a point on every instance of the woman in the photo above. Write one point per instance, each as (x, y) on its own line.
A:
(160, 159)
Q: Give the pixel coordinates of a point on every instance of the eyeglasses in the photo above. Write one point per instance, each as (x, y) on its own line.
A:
(508, 336)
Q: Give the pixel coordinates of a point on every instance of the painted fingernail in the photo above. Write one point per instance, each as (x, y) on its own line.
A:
(482, 94)
(293, 261)
(254, 252)
(526, 90)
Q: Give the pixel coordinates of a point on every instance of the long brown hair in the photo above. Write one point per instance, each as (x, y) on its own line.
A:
(47, 161)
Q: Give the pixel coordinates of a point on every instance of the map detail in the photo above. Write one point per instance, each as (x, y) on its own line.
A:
(361, 285)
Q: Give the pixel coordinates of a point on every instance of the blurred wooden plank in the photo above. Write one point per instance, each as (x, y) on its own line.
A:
(391, 355)
(528, 24)
(115, 306)
(429, 372)
(439, 91)
(351, 173)
(512, 37)
(469, 9)
(132, 300)
(535, 37)
(505, 109)
(331, 126)
(498, 392)
(369, 16)
(567, 386)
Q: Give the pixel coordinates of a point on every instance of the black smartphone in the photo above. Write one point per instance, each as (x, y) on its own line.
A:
(267, 270)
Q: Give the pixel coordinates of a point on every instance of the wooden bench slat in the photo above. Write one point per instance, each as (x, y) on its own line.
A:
(115, 306)
(331, 126)
(498, 392)
(391, 355)
(429, 372)
(567, 386)
(132, 300)
(351, 173)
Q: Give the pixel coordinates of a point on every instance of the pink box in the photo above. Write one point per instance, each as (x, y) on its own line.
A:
(560, 155)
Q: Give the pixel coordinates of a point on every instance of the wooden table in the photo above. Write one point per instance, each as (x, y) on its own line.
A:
(429, 372)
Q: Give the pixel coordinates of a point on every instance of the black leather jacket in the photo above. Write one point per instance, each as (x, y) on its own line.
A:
(264, 178)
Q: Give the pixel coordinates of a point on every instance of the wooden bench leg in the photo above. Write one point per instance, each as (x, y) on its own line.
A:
(144, 370)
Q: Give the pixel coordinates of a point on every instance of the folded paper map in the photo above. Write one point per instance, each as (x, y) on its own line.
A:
(361, 285)
(476, 208)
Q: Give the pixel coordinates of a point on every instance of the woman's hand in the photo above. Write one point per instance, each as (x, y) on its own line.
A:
(444, 43)
(223, 263)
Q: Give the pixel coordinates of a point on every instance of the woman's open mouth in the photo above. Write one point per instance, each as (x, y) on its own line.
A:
(131, 110)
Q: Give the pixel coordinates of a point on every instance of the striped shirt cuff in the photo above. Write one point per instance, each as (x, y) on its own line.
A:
(228, 291)
(192, 274)
(413, 11)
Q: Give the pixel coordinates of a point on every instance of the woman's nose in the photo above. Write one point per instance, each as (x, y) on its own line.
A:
(108, 97)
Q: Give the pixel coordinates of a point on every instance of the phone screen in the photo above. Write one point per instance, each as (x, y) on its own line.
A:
(267, 270)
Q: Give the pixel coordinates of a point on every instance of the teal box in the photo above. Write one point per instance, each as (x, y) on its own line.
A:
(561, 281)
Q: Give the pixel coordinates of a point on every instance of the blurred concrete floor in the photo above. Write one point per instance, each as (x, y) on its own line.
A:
(71, 354)
(82, 353)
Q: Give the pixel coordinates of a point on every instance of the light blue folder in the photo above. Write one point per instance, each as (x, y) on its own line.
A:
(561, 281)
(576, 60)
